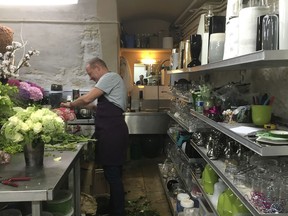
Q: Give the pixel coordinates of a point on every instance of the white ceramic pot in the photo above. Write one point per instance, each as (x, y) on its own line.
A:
(219, 187)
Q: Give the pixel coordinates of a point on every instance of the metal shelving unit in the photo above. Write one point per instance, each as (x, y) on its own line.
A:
(180, 122)
(259, 59)
(171, 201)
(219, 167)
(261, 149)
(205, 196)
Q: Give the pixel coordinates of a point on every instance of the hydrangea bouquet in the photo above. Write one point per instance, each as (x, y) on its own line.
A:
(29, 92)
(32, 126)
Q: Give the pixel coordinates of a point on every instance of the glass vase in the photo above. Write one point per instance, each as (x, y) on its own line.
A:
(195, 49)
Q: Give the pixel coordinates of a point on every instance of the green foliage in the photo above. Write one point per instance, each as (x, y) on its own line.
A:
(140, 207)
(6, 103)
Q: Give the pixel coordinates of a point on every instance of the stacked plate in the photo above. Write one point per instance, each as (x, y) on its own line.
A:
(273, 137)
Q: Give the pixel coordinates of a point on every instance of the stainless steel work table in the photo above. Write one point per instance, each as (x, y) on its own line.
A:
(44, 182)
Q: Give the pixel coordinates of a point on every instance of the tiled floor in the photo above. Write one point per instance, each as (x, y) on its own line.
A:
(141, 178)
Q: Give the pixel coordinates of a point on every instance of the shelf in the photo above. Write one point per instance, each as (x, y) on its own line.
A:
(196, 181)
(261, 149)
(259, 59)
(171, 201)
(152, 50)
(180, 122)
(219, 167)
(180, 97)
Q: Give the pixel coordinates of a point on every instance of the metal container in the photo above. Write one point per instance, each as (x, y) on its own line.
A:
(55, 95)
(75, 94)
(85, 114)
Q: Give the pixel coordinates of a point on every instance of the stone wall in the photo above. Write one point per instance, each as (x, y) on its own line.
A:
(66, 36)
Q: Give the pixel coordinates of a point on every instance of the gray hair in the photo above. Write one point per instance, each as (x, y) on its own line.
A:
(96, 61)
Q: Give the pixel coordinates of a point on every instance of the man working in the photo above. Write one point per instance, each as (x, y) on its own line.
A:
(111, 130)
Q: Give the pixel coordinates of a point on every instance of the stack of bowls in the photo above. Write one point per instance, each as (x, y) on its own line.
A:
(10, 212)
(62, 203)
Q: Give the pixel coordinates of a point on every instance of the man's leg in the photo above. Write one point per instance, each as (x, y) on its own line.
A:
(113, 175)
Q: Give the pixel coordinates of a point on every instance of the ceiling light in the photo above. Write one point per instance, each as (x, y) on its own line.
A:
(148, 61)
(37, 2)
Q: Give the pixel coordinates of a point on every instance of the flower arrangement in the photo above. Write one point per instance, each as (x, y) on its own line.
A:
(32, 126)
(28, 91)
(8, 68)
(65, 113)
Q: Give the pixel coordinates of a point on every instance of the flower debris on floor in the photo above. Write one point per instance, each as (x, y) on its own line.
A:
(140, 206)
(137, 207)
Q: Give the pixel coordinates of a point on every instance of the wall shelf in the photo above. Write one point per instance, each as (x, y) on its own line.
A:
(259, 59)
(146, 50)
(261, 149)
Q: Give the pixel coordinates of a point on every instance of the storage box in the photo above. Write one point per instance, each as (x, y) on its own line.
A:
(100, 185)
(87, 177)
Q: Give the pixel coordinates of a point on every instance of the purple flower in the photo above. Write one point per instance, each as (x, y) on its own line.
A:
(24, 94)
(35, 85)
(35, 93)
(24, 85)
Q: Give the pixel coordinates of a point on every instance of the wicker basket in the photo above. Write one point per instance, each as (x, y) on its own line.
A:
(6, 38)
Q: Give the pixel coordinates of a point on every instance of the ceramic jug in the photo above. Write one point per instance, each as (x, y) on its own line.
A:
(239, 209)
(209, 178)
(228, 200)
(219, 188)
(220, 203)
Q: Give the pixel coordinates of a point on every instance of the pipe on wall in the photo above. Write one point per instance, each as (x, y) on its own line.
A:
(60, 22)
(191, 24)
(189, 8)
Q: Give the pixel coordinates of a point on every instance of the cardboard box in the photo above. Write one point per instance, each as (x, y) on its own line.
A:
(100, 185)
(87, 177)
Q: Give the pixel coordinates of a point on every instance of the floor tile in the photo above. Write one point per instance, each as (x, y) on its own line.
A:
(141, 178)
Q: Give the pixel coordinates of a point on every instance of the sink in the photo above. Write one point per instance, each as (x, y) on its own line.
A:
(147, 122)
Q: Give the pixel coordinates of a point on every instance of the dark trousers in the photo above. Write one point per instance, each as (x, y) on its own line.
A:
(113, 175)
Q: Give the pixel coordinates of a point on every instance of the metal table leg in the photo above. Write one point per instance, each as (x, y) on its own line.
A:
(77, 189)
(36, 208)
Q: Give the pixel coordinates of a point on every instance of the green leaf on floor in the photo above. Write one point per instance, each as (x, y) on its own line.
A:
(140, 207)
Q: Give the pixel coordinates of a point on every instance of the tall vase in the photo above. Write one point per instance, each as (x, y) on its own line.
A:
(195, 49)
(34, 155)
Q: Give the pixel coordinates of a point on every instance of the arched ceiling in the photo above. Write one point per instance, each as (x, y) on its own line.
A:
(171, 11)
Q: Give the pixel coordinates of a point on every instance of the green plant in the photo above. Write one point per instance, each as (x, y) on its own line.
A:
(6, 102)
(140, 207)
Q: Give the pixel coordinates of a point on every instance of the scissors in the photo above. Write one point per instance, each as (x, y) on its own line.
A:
(11, 181)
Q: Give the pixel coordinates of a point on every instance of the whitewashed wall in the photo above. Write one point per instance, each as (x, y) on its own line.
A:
(66, 36)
